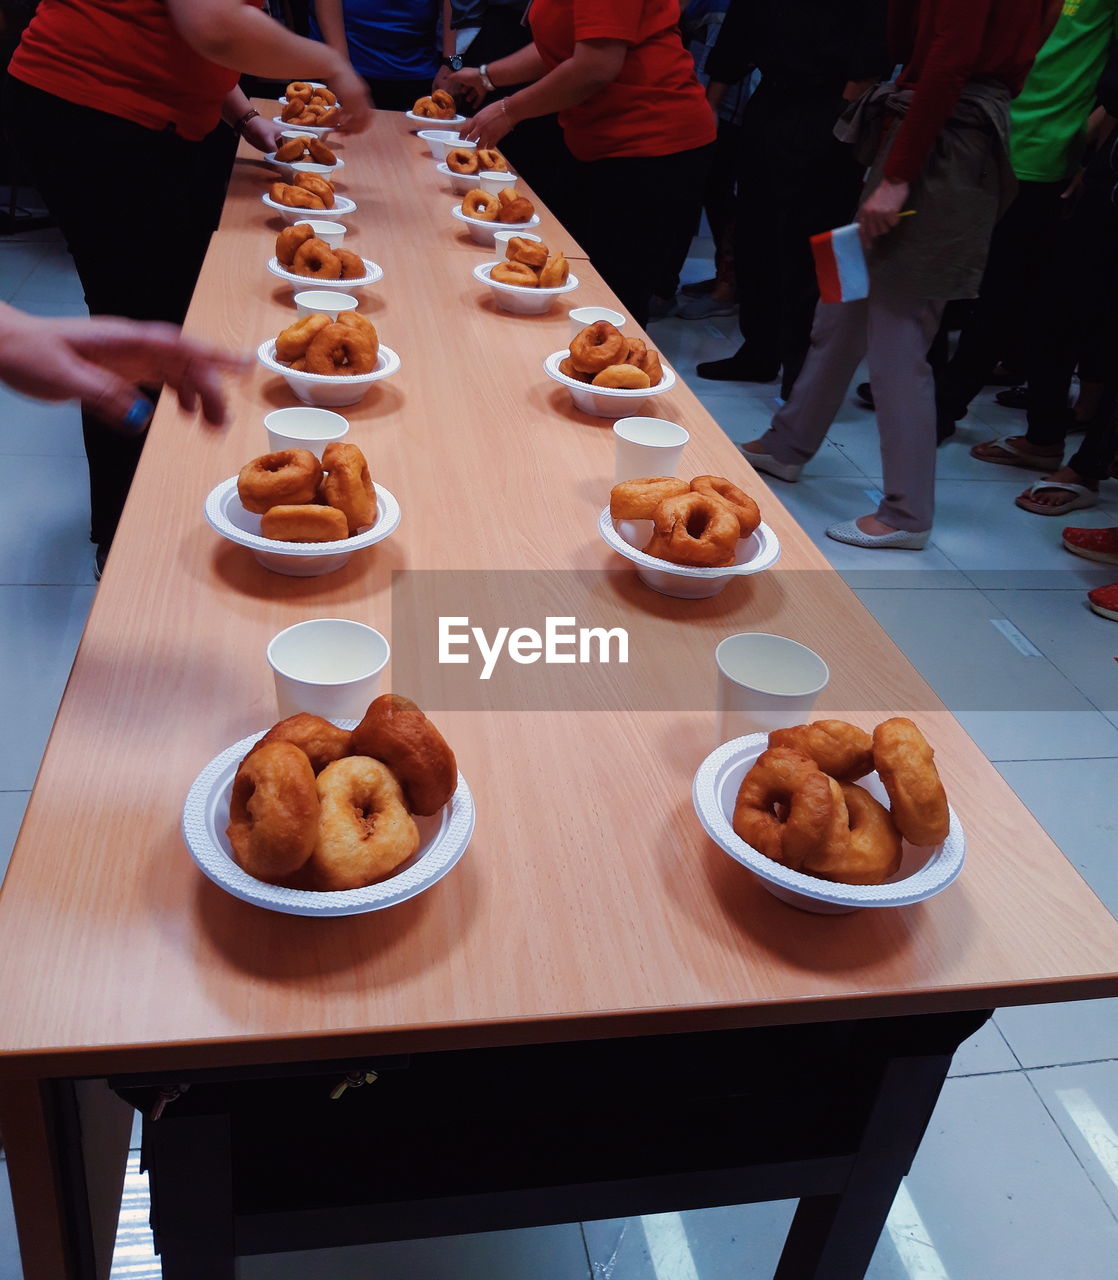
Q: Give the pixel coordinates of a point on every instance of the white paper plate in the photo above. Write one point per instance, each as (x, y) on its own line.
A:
(373, 274)
(320, 131)
(343, 207)
(760, 551)
(443, 839)
(922, 873)
(483, 232)
(605, 402)
(288, 170)
(428, 122)
(519, 299)
(328, 390)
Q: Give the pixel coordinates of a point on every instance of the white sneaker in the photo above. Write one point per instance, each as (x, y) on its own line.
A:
(902, 539)
(765, 462)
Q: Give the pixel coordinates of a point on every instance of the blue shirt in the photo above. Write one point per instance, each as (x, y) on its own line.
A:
(391, 41)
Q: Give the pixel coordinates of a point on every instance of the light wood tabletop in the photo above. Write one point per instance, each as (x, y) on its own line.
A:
(590, 902)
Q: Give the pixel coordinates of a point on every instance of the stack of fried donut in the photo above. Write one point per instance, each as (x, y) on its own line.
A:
(531, 265)
(696, 524)
(339, 348)
(300, 499)
(439, 106)
(308, 191)
(320, 808)
(307, 105)
(306, 147)
(476, 160)
(506, 206)
(800, 805)
(603, 356)
(302, 253)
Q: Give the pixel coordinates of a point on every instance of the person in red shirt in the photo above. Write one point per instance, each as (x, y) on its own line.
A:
(114, 109)
(633, 115)
(936, 141)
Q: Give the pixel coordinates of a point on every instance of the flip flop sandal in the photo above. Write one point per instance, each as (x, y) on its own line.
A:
(1018, 457)
(1083, 497)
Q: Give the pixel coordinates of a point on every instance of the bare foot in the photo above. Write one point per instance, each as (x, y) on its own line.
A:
(752, 446)
(872, 525)
(992, 451)
(1055, 496)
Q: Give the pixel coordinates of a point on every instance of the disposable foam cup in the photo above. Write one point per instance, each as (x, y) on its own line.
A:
(312, 166)
(646, 447)
(331, 233)
(304, 427)
(502, 238)
(324, 302)
(327, 667)
(765, 682)
(580, 317)
(297, 133)
(491, 181)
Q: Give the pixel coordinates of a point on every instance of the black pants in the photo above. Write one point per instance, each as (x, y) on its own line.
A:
(398, 95)
(996, 328)
(657, 200)
(794, 180)
(137, 208)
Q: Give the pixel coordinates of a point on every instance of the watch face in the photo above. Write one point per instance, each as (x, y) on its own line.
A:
(454, 62)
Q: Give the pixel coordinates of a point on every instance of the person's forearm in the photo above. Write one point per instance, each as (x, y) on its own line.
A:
(521, 67)
(450, 42)
(235, 107)
(236, 35)
(581, 76)
(328, 14)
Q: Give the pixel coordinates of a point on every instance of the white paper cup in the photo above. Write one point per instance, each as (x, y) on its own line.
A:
(646, 447)
(580, 317)
(313, 166)
(304, 427)
(331, 233)
(314, 302)
(502, 238)
(327, 667)
(491, 181)
(765, 682)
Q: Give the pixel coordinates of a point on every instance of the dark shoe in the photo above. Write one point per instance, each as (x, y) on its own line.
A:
(99, 561)
(863, 393)
(1013, 398)
(661, 308)
(740, 367)
(700, 288)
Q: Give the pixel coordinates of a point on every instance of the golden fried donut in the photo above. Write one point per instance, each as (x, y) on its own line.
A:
(319, 740)
(325, 96)
(597, 347)
(461, 160)
(442, 99)
(315, 111)
(273, 812)
(555, 272)
(396, 731)
(299, 89)
(330, 116)
(625, 376)
(778, 777)
(566, 366)
(353, 265)
(316, 259)
(364, 831)
(519, 210)
(293, 342)
(289, 240)
(320, 152)
(424, 107)
(273, 479)
(362, 323)
(317, 186)
(530, 252)
(635, 351)
(740, 503)
(514, 273)
(341, 350)
(650, 364)
(906, 765)
(868, 851)
(292, 149)
(480, 205)
(303, 522)
(292, 109)
(842, 750)
(491, 161)
(295, 197)
(639, 499)
(694, 530)
(348, 487)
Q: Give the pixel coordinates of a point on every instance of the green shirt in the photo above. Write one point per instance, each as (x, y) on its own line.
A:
(1049, 116)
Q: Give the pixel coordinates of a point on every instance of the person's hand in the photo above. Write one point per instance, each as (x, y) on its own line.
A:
(467, 83)
(489, 126)
(853, 89)
(879, 211)
(442, 81)
(263, 134)
(1072, 191)
(357, 104)
(103, 361)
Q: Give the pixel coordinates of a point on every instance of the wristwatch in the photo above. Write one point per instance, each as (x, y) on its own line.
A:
(454, 61)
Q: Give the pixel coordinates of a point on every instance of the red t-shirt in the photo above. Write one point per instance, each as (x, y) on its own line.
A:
(123, 57)
(656, 106)
(945, 43)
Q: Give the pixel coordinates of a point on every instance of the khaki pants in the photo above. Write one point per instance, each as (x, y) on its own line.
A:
(893, 334)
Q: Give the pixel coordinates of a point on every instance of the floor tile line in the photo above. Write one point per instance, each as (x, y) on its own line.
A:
(1071, 1147)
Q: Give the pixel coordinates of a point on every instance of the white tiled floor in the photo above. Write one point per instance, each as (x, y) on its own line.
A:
(1017, 1178)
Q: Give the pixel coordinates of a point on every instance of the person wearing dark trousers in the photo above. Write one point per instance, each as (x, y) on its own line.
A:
(157, 84)
(794, 178)
(633, 115)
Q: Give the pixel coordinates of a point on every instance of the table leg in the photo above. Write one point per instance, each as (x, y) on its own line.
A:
(833, 1237)
(192, 1193)
(67, 1149)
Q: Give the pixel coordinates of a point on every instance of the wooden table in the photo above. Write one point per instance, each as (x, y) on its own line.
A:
(589, 904)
